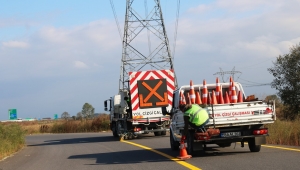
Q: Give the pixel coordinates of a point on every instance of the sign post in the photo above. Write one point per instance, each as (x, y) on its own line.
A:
(55, 116)
(12, 113)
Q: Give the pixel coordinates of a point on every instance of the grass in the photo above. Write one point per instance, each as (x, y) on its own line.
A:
(284, 133)
(12, 139)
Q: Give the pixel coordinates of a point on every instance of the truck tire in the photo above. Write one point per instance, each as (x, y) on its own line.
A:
(163, 133)
(253, 147)
(174, 144)
(157, 133)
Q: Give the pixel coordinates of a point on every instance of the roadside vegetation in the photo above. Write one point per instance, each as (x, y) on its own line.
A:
(12, 139)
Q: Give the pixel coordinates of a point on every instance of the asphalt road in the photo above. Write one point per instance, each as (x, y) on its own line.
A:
(102, 151)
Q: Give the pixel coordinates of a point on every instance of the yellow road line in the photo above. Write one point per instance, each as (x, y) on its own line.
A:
(277, 147)
(183, 163)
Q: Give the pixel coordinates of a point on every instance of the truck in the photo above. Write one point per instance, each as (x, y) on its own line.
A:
(137, 110)
(242, 121)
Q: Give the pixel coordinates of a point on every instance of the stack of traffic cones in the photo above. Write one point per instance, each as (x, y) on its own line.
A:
(213, 98)
(198, 98)
(233, 93)
(204, 93)
(182, 98)
(188, 99)
(218, 89)
(221, 100)
(192, 93)
(183, 153)
(226, 99)
(240, 97)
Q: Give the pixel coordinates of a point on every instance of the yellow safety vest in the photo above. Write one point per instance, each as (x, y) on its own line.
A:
(197, 115)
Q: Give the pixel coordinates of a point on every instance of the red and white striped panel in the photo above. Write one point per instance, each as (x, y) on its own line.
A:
(150, 75)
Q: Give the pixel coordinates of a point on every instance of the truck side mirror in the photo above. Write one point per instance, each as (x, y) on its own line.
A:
(105, 105)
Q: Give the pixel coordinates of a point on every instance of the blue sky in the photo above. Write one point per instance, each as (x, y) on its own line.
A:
(57, 55)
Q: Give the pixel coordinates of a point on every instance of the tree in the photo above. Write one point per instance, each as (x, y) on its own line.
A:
(79, 116)
(65, 115)
(286, 71)
(88, 111)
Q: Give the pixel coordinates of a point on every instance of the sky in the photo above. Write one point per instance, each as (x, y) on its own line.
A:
(55, 56)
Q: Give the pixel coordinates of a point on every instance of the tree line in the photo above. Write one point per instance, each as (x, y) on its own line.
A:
(87, 112)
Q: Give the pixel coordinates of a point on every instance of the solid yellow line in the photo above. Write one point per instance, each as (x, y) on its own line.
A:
(183, 163)
(277, 147)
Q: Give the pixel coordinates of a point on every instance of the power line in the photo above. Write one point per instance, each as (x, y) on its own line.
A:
(222, 73)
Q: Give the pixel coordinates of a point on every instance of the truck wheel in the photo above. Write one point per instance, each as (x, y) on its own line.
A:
(253, 147)
(174, 144)
(115, 134)
(157, 133)
(163, 133)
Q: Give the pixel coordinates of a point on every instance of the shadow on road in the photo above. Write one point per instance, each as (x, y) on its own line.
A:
(76, 140)
(123, 157)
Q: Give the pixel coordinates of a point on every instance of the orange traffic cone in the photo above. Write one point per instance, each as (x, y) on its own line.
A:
(230, 87)
(214, 98)
(198, 99)
(221, 100)
(240, 97)
(183, 153)
(192, 93)
(226, 99)
(218, 89)
(209, 99)
(204, 93)
(233, 94)
(188, 100)
(182, 98)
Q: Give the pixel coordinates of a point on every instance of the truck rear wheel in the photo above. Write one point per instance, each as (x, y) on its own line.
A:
(253, 147)
(157, 133)
(174, 144)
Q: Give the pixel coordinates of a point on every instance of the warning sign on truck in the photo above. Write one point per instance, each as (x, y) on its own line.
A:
(152, 93)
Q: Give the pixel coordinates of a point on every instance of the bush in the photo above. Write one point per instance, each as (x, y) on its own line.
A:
(12, 139)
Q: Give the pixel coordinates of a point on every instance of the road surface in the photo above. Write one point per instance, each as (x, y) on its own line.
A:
(80, 151)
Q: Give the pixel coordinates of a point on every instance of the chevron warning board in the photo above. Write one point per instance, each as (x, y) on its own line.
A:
(150, 89)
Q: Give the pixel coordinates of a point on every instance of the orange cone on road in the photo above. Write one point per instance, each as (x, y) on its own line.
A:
(226, 98)
(218, 89)
(204, 93)
(198, 98)
(192, 93)
(183, 153)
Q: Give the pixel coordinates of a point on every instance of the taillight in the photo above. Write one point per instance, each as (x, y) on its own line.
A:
(268, 111)
(260, 131)
(137, 129)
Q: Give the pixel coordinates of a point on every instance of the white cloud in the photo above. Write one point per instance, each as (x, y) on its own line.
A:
(80, 64)
(15, 44)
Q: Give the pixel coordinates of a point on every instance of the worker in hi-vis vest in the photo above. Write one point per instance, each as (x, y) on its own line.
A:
(194, 115)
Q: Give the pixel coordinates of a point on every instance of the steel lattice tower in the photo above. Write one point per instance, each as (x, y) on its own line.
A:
(145, 41)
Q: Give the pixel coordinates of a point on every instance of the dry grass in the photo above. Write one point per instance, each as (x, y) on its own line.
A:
(284, 133)
(12, 139)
